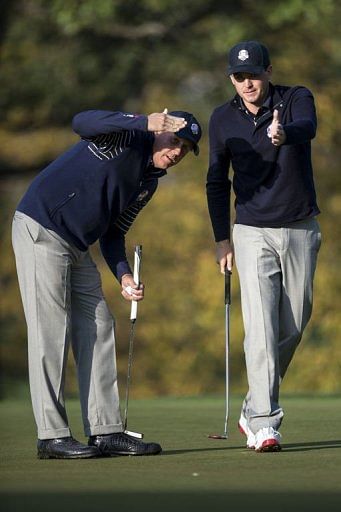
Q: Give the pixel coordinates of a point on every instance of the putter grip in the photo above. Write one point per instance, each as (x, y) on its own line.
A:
(227, 286)
(137, 265)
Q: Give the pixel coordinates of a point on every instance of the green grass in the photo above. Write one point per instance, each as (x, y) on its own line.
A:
(193, 473)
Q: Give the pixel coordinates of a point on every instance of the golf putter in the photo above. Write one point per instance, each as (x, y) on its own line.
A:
(133, 316)
(227, 354)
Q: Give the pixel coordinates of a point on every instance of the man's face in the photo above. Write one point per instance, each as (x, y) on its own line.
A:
(253, 89)
(169, 149)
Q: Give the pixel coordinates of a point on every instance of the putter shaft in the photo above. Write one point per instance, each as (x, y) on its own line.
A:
(227, 346)
(130, 362)
(133, 317)
(227, 365)
(227, 354)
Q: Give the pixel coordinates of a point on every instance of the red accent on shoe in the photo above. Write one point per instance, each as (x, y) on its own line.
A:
(269, 445)
(241, 430)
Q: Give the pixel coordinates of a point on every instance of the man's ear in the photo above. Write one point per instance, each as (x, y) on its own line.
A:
(269, 70)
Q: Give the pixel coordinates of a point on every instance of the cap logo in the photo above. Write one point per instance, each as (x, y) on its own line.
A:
(243, 55)
(194, 128)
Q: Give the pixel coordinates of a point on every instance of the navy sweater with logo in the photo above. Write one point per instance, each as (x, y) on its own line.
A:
(273, 185)
(96, 188)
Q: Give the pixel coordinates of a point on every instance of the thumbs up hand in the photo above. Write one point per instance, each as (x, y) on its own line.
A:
(277, 133)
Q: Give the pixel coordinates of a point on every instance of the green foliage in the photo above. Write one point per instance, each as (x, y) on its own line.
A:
(58, 57)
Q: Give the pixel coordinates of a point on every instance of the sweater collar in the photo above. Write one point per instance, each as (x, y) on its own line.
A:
(154, 172)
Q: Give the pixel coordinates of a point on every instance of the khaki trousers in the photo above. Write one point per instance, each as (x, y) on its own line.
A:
(276, 269)
(63, 302)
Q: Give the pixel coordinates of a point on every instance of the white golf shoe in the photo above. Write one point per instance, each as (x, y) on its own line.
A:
(267, 440)
(244, 429)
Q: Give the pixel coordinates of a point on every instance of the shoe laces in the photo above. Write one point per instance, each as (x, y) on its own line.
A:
(268, 432)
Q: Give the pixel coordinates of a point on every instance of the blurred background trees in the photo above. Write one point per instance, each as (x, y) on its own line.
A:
(58, 57)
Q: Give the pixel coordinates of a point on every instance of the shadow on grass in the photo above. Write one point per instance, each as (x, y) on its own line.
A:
(294, 447)
(195, 500)
(197, 450)
(316, 445)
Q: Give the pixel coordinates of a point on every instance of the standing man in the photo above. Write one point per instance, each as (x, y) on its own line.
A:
(93, 191)
(264, 132)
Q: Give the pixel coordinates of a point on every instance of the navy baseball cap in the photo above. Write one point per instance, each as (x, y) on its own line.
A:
(248, 57)
(192, 130)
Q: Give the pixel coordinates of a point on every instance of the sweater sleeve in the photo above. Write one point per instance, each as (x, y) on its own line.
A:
(218, 186)
(112, 245)
(92, 123)
(304, 123)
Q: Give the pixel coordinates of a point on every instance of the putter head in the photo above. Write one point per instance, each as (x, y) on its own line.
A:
(137, 435)
(218, 436)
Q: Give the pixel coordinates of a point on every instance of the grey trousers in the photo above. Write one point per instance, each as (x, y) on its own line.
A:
(276, 269)
(63, 302)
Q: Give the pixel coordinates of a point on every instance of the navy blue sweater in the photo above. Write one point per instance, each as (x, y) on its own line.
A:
(96, 188)
(273, 185)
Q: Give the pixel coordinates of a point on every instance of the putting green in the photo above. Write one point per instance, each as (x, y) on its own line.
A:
(193, 473)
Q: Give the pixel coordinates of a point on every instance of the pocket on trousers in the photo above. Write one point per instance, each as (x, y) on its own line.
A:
(317, 237)
(31, 226)
(318, 240)
(33, 229)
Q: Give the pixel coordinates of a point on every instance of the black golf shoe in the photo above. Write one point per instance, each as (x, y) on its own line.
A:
(119, 443)
(65, 448)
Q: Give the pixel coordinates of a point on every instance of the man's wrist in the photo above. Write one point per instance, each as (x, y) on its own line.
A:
(223, 243)
(126, 275)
